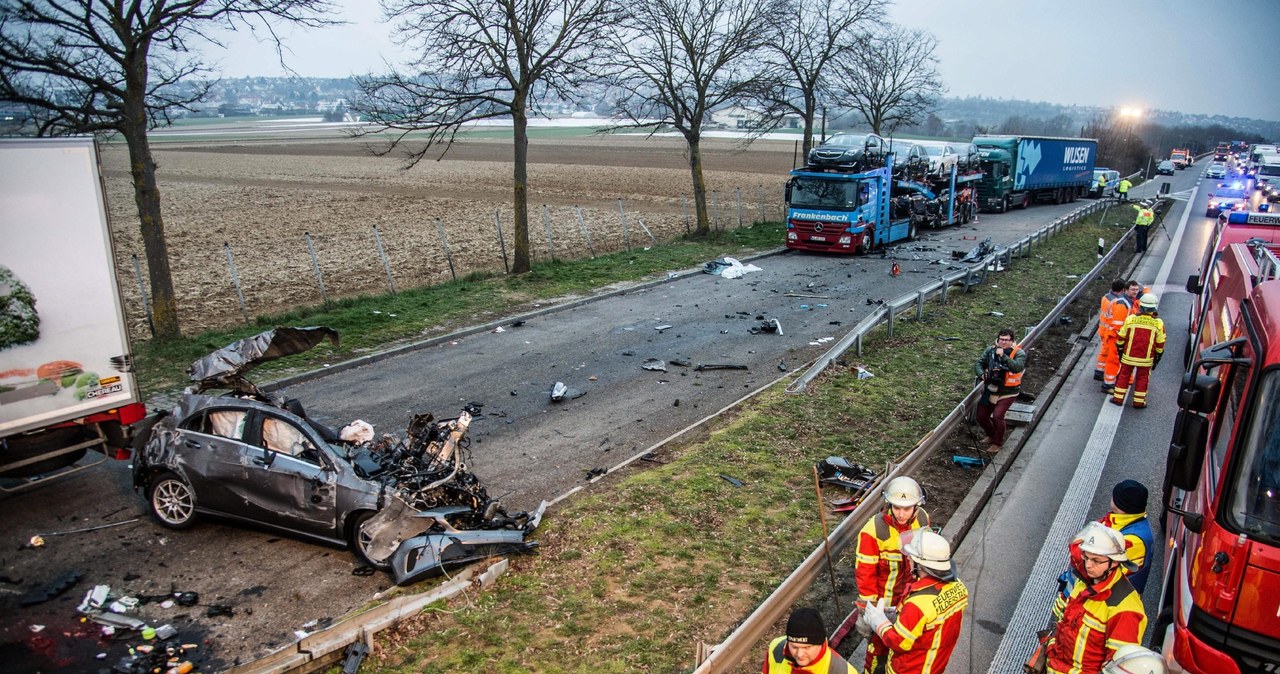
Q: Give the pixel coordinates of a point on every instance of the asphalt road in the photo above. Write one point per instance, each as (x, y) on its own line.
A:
(1037, 508)
(525, 448)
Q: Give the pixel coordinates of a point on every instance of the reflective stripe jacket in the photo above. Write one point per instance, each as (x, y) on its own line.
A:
(878, 566)
(1111, 314)
(1145, 216)
(1138, 539)
(1124, 185)
(928, 625)
(1095, 621)
(779, 662)
(1013, 364)
(1140, 339)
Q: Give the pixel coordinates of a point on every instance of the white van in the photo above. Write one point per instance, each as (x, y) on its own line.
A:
(1267, 170)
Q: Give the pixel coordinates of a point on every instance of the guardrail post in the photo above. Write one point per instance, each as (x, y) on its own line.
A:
(891, 315)
(968, 279)
(857, 345)
(942, 298)
(919, 305)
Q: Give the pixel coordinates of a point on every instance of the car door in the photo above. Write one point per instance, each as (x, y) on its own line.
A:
(290, 482)
(211, 456)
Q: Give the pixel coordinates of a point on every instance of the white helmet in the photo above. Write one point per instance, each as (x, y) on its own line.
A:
(1097, 538)
(1131, 659)
(1149, 301)
(930, 552)
(903, 492)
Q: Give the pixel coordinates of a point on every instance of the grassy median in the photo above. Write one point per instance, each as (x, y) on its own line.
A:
(642, 565)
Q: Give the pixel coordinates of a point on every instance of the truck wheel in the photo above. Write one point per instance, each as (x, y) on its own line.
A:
(1026, 201)
(172, 501)
(865, 246)
(1004, 205)
(360, 543)
(22, 447)
(911, 231)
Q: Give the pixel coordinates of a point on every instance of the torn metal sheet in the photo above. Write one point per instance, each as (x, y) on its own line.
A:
(702, 367)
(226, 366)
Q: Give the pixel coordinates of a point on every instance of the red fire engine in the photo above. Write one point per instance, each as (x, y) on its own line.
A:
(1220, 601)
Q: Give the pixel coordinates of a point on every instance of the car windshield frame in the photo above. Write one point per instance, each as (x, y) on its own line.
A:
(1253, 505)
(845, 140)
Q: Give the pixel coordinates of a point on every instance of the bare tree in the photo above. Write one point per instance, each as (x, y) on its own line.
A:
(892, 78)
(482, 59)
(105, 66)
(811, 36)
(677, 60)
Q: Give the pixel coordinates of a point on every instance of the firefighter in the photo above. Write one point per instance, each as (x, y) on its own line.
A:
(1000, 371)
(878, 567)
(1102, 612)
(1132, 659)
(1141, 345)
(1123, 189)
(1142, 222)
(921, 638)
(1108, 326)
(804, 648)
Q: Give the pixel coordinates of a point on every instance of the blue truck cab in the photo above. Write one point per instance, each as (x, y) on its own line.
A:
(856, 212)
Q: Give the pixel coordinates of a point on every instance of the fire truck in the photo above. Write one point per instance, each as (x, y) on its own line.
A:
(1234, 227)
(1220, 600)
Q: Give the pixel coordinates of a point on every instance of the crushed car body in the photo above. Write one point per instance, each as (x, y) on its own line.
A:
(408, 505)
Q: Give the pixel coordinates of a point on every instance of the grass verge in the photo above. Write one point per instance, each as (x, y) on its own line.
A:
(639, 567)
(374, 323)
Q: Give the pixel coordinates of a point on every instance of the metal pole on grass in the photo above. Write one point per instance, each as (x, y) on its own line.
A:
(826, 545)
(386, 264)
(235, 279)
(497, 222)
(142, 290)
(315, 264)
(739, 207)
(626, 234)
(760, 211)
(586, 233)
(684, 206)
(646, 231)
(546, 223)
(444, 241)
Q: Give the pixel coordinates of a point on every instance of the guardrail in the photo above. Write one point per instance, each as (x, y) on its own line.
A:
(737, 646)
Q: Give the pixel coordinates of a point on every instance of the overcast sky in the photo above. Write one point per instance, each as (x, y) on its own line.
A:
(1197, 56)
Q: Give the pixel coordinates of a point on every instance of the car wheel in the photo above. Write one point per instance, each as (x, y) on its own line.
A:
(359, 543)
(172, 500)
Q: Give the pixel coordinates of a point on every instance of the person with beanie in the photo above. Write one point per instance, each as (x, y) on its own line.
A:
(804, 648)
(1128, 515)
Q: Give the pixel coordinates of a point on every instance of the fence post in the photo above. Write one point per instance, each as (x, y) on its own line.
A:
(626, 234)
(444, 241)
(760, 211)
(715, 210)
(315, 264)
(386, 264)
(142, 290)
(684, 206)
(546, 223)
(235, 279)
(497, 222)
(739, 208)
(586, 233)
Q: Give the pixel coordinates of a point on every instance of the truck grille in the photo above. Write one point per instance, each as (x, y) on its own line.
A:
(1254, 653)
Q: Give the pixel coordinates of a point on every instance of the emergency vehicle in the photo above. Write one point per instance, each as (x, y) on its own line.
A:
(1220, 599)
(1234, 227)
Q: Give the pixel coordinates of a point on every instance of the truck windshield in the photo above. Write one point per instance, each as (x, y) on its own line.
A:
(835, 195)
(1269, 170)
(1255, 497)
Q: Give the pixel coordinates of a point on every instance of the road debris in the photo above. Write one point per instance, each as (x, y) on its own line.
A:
(655, 365)
(660, 328)
(703, 367)
(732, 480)
(771, 326)
(728, 267)
(558, 391)
(863, 373)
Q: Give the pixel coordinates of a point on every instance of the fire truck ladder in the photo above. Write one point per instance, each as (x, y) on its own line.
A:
(1268, 263)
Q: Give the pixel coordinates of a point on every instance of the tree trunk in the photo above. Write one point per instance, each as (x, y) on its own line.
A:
(699, 186)
(810, 109)
(520, 202)
(146, 194)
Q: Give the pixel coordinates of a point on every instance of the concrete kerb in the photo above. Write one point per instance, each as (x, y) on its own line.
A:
(345, 365)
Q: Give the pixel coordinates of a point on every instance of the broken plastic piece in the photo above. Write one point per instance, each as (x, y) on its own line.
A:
(660, 328)
(863, 373)
(655, 365)
(967, 461)
(732, 480)
(166, 632)
(558, 391)
(354, 657)
(95, 598)
(997, 314)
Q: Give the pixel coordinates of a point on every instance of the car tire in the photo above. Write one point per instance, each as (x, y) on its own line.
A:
(172, 501)
(354, 539)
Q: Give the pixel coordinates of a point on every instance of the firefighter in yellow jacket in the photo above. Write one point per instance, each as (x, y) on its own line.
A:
(881, 571)
(1141, 345)
(1142, 221)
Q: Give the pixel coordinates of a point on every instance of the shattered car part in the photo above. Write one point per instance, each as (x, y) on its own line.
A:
(840, 471)
(655, 365)
(702, 367)
(248, 456)
(445, 546)
(558, 391)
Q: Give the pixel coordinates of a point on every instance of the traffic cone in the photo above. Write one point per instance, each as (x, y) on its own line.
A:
(895, 269)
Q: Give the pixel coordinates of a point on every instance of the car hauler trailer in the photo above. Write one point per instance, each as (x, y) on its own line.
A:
(1220, 599)
(1020, 170)
(856, 212)
(66, 366)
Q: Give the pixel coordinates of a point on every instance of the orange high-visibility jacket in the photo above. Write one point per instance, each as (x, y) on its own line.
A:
(1096, 620)
(928, 625)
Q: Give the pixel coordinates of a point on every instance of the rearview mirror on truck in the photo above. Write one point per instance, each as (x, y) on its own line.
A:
(1199, 393)
(1193, 284)
(1186, 450)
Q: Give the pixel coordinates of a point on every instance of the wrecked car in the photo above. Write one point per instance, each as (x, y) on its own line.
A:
(405, 505)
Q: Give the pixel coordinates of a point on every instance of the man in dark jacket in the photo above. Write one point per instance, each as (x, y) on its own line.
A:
(1000, 371)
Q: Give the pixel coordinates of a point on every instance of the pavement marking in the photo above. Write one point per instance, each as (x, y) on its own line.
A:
(1034, 610)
